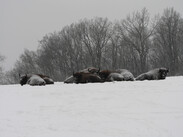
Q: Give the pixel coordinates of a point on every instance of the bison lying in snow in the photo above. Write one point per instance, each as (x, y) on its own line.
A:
(82, 77)
(69, 80)
(35, 79)
(104, 74)
(127, 75)
(91, 70)
(47, 79)
(117, 75)
(155, 74)
(114, 77)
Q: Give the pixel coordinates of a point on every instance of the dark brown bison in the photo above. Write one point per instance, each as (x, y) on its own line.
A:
(104, 74)
(91, 70)
(155, 74)
(82, 77)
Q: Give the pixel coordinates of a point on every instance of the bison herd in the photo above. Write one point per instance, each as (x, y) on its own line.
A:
(95, 75)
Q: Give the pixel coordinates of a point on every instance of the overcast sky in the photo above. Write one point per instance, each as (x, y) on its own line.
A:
(24, 22)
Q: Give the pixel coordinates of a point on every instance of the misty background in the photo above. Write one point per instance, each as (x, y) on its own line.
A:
(55, 37)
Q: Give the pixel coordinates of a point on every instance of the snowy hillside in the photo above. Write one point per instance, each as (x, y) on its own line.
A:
(117, 109)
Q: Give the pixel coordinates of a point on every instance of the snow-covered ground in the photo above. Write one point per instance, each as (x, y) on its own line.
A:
(116, 109)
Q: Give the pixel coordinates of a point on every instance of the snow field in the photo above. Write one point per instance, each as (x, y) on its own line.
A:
(111, 109)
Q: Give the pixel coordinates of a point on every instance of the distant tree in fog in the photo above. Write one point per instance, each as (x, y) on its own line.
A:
(27, 62)
(1, 69)
(96, 35)
(136, 31)
(168, 41)
(1, 60)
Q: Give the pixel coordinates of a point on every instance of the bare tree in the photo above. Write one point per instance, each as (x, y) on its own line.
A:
(1, 70)
(27, 62)
(96, 35)
(168, 40)
(72, 40)
(136, 31)
(62, 53)
(1, 60)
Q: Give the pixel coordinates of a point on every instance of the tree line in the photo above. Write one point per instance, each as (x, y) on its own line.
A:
(137, 43)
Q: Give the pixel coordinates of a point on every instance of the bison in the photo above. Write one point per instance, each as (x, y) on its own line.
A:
(35, 79)
(107, 75)
(127, 75)
(47, 79)
(69, 80)
(155, 74)
(117, 75)
(104, 74)
(82, 77)
(91, 70)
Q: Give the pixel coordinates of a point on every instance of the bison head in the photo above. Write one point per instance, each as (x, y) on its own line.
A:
(77, 76)
(104, 74)
(23, 79)
(163, 73)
